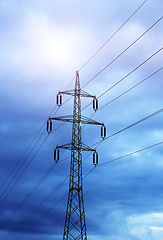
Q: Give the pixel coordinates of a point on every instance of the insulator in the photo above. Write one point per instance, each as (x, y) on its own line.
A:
(59, 99)
(95, 104)
(50, 126)
(95, 158)
(47, 128)
(103, 131)
(56, 155)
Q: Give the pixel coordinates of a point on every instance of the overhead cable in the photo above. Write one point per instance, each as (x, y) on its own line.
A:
(132, 71)
(25, 152)
(42, 216)
(97, 143)
(112, 35)
(149, 116)
(142, 120)
(22, 165)
(124, 156)
(131, 88)
(124, 93)
(23, 170)
(123, 52)
(35, 209)
(100, 71)
(127, 75)
(129, 154)
(31, 145)
(30, 160)
(30, 193)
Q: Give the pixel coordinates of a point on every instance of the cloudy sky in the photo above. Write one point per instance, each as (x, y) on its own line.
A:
(42, 44)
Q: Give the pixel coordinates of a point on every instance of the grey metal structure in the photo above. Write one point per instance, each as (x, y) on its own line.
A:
(75, 224)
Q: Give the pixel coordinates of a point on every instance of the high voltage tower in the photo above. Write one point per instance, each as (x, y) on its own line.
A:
(75, 225)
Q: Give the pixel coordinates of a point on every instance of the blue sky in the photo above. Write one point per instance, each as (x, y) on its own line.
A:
(42, 44)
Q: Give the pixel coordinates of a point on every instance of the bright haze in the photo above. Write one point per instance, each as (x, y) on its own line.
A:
(42, 45)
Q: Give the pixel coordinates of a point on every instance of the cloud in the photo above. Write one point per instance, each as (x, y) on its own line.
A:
(156, 228)
(43, 43)
(138, 222)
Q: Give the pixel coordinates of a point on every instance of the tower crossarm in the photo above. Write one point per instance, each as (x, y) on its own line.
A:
(82, 120)
(80, 93)
(83, 147)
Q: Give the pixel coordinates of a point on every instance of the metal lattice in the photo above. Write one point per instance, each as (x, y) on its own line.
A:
(75, 224)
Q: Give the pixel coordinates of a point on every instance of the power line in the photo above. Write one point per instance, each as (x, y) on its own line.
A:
(127, 155)
(36, 186)
(122, 93)
(149, 116)
(27, 197)
(132, 71)
(84, 177)
(30, 160)
(115, 58)
(43, 216)
(131, 88)
(20, 205)
(24, 170)
(70, 82)
(24, 160)
(31, 145)
(127, 75)
(96, 75)
(35, 208)
(123, 52)
(142, 120)
(128, 91)
(97, 143)
(25, 152)
(22, 165)
(112, 35)
(125, 91)
(30, 193)
(27, 158)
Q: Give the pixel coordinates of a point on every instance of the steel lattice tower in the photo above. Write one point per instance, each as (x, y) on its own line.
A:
(75, 215)
(75, 225)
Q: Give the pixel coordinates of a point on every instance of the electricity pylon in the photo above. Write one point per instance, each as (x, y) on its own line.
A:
(75, 224)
